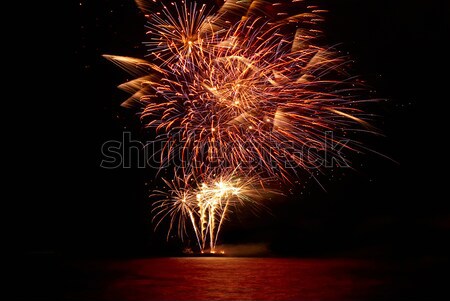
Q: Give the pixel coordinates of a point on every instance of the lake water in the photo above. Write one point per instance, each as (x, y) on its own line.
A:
(230, 278)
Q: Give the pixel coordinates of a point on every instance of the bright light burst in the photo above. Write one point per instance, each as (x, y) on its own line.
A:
(181, 39)
(203, 207)
(246, 88)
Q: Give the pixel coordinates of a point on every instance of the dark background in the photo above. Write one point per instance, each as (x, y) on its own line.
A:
(381, 207)
(67, 106)
(69, 207)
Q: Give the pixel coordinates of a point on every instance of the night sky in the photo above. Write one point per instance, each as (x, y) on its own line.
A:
(383, 207)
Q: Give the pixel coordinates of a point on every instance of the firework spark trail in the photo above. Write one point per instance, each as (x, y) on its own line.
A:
(205, 205)
(236, 90)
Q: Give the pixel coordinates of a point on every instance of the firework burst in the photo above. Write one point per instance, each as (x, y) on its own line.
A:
(247, 89)
(203, 207)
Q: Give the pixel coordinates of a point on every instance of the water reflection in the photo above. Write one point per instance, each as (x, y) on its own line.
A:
(230, 279)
